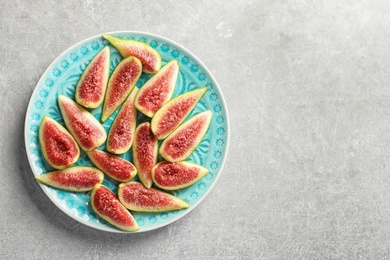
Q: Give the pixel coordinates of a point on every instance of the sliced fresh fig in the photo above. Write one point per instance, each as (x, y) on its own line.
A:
(121, 82)
(134, 196)
(177, 175)
(121, 134)
(77, 178)
(116, 167)
(158, 89)
(183, 141)
(92, 84)
(84, 127)
(145, 150)
(173, 113)
(151, 60)
(107, 205)
(58, 146)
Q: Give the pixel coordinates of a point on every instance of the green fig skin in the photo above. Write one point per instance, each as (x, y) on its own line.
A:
(91, 87)
(75, 179)
(178, 146)
(150, 58)
(107, 205)
(173, 113)
(64, 146)
(134, 196)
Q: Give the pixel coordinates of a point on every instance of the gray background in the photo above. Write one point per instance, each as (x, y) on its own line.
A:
(307, 87)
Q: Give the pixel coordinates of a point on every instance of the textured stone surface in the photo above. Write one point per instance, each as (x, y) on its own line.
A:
(307, 86)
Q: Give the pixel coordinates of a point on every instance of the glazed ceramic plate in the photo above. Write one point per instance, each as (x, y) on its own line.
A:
(61, 78)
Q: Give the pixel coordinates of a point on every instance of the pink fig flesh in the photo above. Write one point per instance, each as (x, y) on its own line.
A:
(145, 150)
(91, 86)
(177, 175)
(116, 167)
(158, 89)
(151, 60)
(58, 147)
(180, 144)
(134, 196)
(76, 179)
(107, 205)
(84, 127)
(121, 134)
(121, 82)
(173, 113)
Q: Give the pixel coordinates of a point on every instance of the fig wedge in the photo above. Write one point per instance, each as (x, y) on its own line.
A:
(134, 196)
(177, 175)
(116, 167)
(151, 60)
(76, 179)
(173, 113)
(121, 134)
(58, 146)
(84, 127)
(92, 84)
(158, 89)
(145, 150)
(121, 82)
(179, 145)
(107, 205)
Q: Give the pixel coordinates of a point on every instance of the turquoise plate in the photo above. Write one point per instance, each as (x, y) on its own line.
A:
(61, 78)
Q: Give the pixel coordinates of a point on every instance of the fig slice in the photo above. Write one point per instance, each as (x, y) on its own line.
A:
(173, 113)
(158, 89)
(151, 59)
(116, 167)
(180, 144)
(58, 146)
(145, 151)
(134, 196)
(107, 205)
(84, 127)
(77, 178)
(121, 134)
(177, 175)
(121, 82)
(91, 86)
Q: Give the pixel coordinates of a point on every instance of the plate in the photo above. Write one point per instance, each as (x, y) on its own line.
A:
(61, 78)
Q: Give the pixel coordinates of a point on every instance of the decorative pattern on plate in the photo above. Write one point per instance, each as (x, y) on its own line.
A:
(61, 78)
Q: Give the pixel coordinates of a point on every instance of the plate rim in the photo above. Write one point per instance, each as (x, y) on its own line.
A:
(227, 143)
